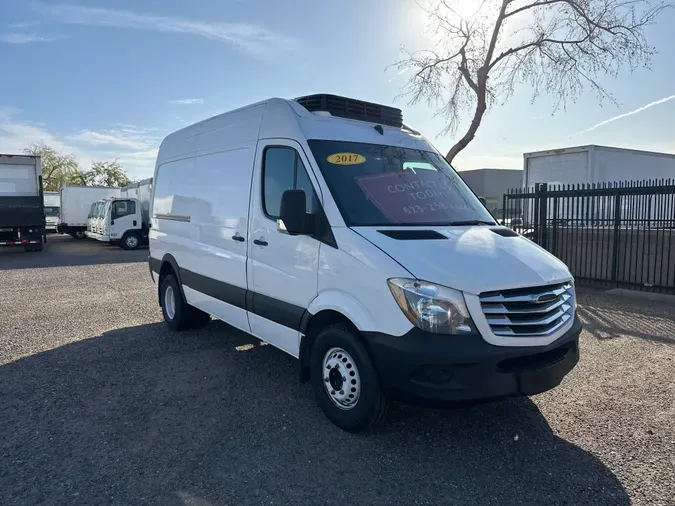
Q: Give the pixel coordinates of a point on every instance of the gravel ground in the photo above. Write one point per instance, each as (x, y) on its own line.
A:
(100, 404)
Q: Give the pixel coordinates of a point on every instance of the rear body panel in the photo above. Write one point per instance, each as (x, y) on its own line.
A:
(22, 216)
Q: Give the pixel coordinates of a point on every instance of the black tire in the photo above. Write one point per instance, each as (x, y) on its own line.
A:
(78, 234)
(130, 241)
(371, 404)
(184, 316)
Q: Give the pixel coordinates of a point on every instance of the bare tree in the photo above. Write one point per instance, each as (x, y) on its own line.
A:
(57, 169)
(558, 47)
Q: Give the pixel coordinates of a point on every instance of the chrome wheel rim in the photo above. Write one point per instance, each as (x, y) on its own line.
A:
(341, 378)
(132, 241)
(170, 302)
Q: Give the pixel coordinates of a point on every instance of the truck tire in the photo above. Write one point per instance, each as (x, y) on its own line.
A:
(79, 234)
(130, 240)
(178, 314)
(345, 381)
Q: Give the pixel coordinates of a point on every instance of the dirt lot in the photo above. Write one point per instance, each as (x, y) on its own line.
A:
(100, 404)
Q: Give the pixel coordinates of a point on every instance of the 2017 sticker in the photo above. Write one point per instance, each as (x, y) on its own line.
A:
(346, 159)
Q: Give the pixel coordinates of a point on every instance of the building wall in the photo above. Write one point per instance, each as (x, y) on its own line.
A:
(492, 184)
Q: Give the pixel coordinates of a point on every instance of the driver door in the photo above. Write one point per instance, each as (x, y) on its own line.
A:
(122, 218)
(282, 268)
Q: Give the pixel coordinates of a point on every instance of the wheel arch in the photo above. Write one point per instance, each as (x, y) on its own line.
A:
(169, 266)
(327, 309)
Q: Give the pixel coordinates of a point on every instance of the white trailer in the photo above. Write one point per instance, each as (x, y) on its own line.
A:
(123, 220)
(52, 210)
(595, 164)
(76, 203)
(22, 215)
(586, 165)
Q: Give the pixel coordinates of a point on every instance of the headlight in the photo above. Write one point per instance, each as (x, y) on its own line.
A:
(431, 307)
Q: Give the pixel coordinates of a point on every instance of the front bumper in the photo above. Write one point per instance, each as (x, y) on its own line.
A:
(424, 366)
(97, 237)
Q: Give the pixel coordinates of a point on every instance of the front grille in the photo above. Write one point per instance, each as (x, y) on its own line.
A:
(523, 312)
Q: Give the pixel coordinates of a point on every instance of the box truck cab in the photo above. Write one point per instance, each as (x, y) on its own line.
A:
(119, 221)
(331, 230)
(52, 202)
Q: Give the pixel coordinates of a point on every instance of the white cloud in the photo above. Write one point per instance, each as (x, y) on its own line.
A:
(626, 114)
(252, 38)
(187, 101)
(25, 38)
(124, 138)
(134, 147)
(24, 24)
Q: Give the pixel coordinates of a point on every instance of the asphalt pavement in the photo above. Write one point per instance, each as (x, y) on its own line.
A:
(101, 404)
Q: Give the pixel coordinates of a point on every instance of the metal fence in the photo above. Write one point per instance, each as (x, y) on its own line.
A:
(621, 234)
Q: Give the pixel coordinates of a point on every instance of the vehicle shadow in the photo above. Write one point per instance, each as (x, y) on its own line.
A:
(607, 317)
(64, 251)
(141, 415)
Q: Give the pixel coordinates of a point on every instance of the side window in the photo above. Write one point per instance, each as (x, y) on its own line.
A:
(302, 182)
(123, 208)
(278, 176)
(283, 170)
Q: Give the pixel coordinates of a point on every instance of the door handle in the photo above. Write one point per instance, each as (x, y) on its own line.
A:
(260, 242)
(238, 238)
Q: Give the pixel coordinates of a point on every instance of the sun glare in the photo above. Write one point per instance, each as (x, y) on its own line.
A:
(464, 8)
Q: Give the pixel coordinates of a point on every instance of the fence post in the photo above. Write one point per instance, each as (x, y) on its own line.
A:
(615, 241)
(504, 209)
(542, 212)
(554, 245)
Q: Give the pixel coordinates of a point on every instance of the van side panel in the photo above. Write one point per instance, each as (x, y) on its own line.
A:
(200, 204)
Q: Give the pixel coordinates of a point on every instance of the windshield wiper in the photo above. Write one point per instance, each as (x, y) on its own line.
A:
(470, 222)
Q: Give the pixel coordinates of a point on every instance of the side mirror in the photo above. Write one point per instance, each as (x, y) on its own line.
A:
(293, 216)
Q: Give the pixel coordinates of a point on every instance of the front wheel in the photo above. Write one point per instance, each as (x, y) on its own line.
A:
(131, 241)
(346, 383)
(79, 234)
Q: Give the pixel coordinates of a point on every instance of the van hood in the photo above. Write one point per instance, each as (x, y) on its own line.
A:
(472, 259)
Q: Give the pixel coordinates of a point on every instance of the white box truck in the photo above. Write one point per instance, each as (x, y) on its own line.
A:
(76, 203)
(123, 220)
(329, 229)
(22, 215)
(595, 164)
(587, 165)
(52, 210)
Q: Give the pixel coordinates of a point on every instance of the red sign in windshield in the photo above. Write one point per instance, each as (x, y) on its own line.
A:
(408, 197)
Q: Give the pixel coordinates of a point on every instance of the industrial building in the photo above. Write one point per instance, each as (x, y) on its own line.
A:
(492, 184)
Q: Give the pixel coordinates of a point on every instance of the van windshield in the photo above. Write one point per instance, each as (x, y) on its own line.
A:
(377, 185)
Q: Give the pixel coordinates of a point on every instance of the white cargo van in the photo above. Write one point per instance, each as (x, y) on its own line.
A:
(328, 228)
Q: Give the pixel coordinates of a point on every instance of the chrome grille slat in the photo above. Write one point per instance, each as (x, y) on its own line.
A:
(533, 312)
(549, 318)
(499, 308)
(530, 297)
(511, 333)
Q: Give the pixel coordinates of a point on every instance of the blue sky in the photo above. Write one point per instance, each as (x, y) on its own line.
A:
(107, 79)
